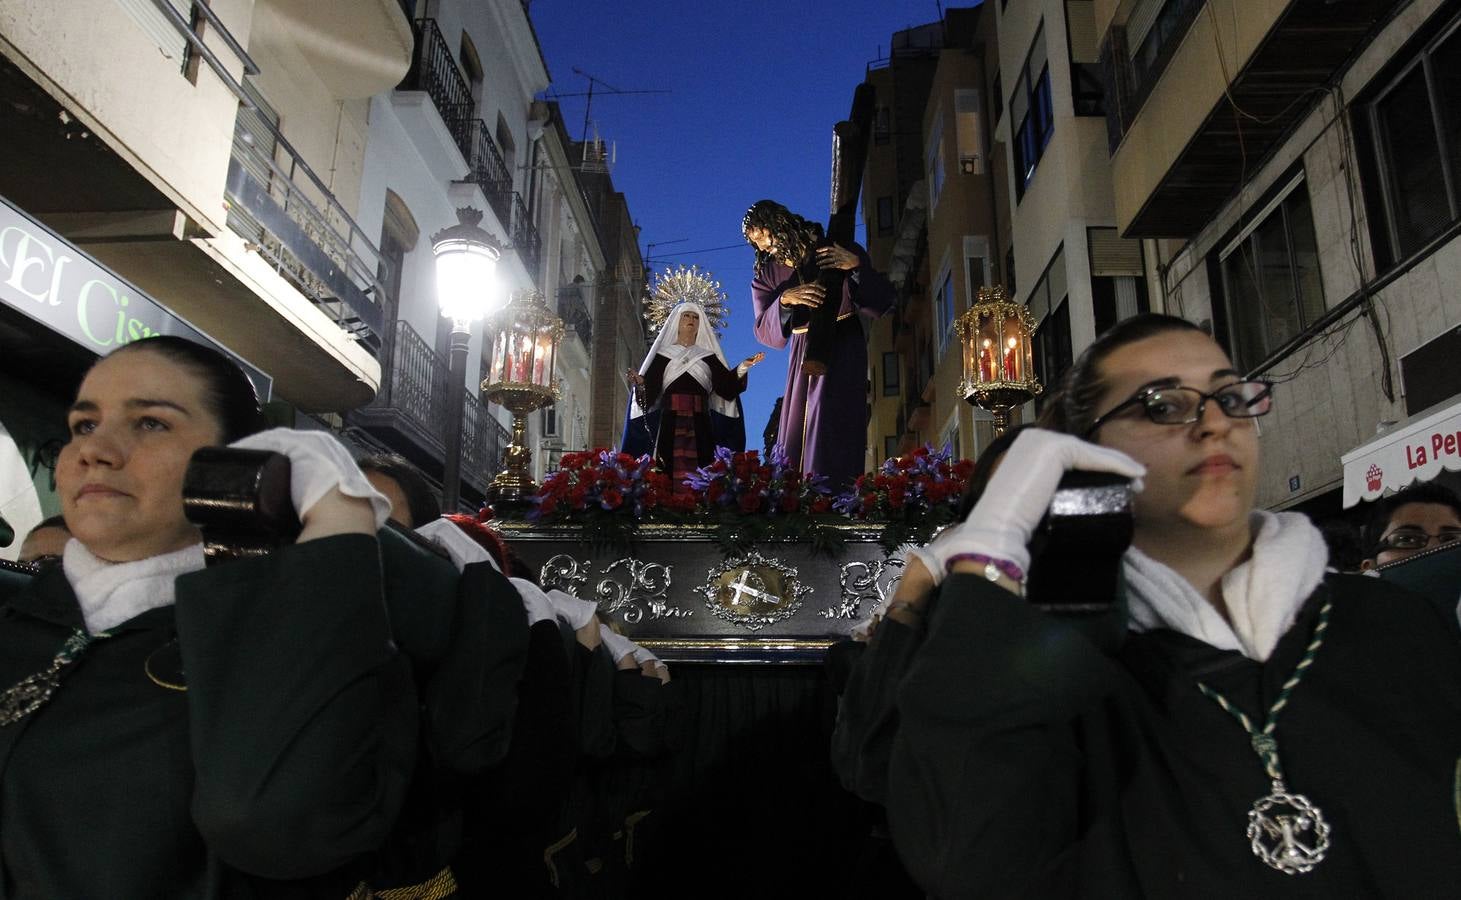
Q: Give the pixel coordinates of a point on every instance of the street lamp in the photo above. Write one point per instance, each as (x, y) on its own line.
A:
(999, 372)
(525, 337)
(466, 290)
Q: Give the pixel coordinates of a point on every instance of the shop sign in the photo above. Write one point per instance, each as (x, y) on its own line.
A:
(48, 279)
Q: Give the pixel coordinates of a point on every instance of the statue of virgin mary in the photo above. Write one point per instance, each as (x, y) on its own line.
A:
(685, 400)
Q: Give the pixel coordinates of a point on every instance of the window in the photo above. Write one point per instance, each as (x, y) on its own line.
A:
(505, 142)
(944, 310)
(1048, 306)
(969, 129)
(1270, 276)
(890, 375)
(935, 162)
(950, 436)
(1031, 113)
(998, 92)
(1087, 94)
(890, 446)
(550, 421)
(976, 265)
(882, 125)
(472, 65)
(1118, 282)
(885, 216)
(1410, 135)
(1052, 348)
(398, 236)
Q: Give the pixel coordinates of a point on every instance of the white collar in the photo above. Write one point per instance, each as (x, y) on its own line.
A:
(111, 593)
(1262, 594)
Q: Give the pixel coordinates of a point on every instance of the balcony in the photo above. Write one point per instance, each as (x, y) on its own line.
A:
(1182, 148)
(284, 210)
(434, 70)
(409, 413)
(524, 234)
(573, 309)
(485, 166)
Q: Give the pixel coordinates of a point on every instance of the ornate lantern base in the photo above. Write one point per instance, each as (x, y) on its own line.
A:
(999, 398)
(514, 486)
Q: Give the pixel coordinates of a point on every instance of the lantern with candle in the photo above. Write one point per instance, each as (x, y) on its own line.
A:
(525, 336)
(999, 371)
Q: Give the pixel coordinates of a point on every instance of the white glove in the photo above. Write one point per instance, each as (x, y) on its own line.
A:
(643, 656)
(539, 608)
(619, 645)
(1017, 496)
(458, 544)
(318, 463)
(577, 613)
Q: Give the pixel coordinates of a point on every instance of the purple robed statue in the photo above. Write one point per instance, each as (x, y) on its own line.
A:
(823, 426)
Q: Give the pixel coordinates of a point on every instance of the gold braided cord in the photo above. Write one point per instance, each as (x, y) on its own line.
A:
(438, 887)
(553, 850)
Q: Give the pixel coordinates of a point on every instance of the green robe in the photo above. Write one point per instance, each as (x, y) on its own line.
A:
(279, 768)
(1026, 762)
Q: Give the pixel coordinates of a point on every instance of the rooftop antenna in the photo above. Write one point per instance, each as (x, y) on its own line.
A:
(605, 88)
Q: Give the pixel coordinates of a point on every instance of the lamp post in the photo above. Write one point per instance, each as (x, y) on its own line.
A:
(525, 335)
(997, 338)
(466, 290)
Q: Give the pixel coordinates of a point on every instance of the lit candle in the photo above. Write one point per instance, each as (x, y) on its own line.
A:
(1010, 364)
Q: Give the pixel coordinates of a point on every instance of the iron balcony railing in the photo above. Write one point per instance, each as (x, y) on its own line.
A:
(279, 204)
(414, 383)
(486, 168)
(414, 388)
(525, 240)
(483, 441)
(434, 70)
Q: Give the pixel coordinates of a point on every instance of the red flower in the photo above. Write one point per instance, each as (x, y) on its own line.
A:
(651, 498)
(790, 502)
(612, 499)
(821, 504)
(714, 490)
(895, 497)
(484, 514)
(578, 495)
(903, 463)
(921, 451)
(750, 503)
(625, 459)
(869, 502)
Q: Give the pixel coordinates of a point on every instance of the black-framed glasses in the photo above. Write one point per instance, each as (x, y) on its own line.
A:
(1178, 405)
(1415, 539)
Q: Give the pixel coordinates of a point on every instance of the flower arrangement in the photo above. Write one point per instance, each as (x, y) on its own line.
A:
(915, 495)
(755, 500)
(607, 493)
(750, 499)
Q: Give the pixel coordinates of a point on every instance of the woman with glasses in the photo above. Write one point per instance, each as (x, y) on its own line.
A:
(1264, 728)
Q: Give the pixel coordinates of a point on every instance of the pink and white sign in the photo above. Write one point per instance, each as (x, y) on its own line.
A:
(1416, 452)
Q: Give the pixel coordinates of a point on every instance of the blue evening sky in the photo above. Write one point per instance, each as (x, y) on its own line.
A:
(755, 88)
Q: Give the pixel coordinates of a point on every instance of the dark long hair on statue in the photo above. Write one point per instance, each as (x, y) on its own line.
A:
(794, 236)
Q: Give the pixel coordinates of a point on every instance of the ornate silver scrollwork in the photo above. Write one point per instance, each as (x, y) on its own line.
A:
(753, 591)
(646, 591)
(873, 580)
(564, 573)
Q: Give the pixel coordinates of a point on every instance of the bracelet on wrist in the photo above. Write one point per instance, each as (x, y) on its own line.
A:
(994, 569)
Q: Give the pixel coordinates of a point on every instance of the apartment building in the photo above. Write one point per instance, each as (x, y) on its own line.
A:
(186, 168)
(458, 131)
(1307, 214)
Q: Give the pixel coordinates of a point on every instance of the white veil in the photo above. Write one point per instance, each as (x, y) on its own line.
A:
(687, 360)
